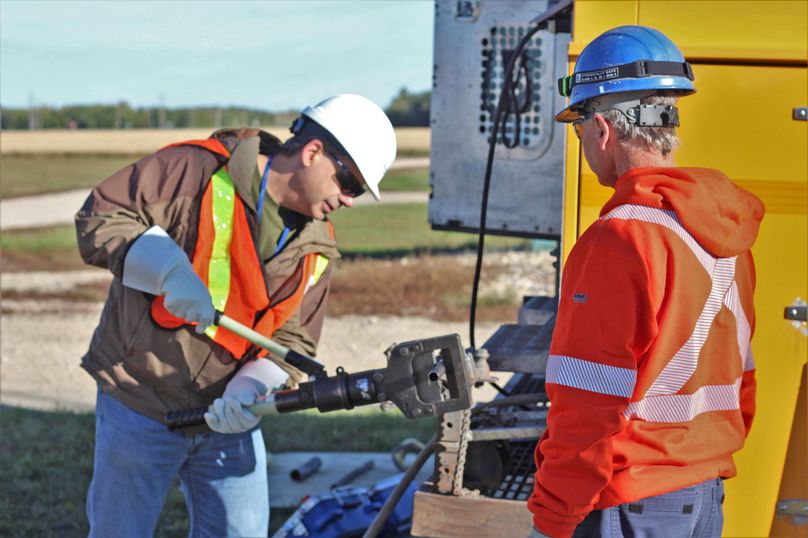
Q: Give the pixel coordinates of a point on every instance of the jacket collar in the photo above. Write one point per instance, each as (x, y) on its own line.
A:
(242, 169)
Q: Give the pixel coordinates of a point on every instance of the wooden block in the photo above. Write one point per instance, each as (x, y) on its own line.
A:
(446, 516)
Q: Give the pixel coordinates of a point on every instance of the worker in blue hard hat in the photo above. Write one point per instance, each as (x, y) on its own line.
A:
(650, 373)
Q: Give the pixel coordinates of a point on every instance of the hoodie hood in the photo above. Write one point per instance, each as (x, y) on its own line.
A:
(721, 216)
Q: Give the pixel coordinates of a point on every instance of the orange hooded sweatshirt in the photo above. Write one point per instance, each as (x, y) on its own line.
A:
(650, 373)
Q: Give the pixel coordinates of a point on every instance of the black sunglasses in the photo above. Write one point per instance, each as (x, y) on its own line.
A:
(348, 183)
(578, 124)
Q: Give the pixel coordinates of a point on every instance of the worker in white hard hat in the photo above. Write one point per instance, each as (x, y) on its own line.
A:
(236, 223)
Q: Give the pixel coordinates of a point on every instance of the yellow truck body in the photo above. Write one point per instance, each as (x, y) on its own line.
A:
(747, 119)
(749, 60)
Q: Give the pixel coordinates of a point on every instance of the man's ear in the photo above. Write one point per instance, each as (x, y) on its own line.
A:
(311, 151)
(604, 130)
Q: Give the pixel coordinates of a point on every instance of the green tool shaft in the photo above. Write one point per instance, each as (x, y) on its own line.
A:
(252, 336)
(264, 406)
(302, 362)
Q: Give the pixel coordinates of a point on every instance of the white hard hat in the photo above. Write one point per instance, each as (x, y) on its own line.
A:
(363, 129)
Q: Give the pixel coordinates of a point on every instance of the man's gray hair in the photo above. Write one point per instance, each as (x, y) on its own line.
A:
(661, 139)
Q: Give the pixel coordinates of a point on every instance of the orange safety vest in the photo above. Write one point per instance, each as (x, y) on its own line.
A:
(226, 260)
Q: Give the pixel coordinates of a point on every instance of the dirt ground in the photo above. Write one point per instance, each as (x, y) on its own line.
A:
(42, 344)
(44, 331)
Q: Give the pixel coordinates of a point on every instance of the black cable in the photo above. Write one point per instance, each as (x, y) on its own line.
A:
(505, 95)
(499, 389)
(514, 108)
(391, 502)
(423, 455)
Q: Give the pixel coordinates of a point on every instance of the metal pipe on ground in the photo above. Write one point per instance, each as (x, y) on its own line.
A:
(353, 474)
(304, 471)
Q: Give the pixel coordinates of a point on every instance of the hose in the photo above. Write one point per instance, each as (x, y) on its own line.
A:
(499, 117)
(381, 518)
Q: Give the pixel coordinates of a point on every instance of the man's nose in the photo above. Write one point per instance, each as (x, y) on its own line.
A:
(346, 199)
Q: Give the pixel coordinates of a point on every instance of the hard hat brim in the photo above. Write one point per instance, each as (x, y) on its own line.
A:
(568, 115)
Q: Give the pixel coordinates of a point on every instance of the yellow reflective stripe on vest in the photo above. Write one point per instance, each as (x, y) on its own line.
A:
(222, 206)
(319, 268)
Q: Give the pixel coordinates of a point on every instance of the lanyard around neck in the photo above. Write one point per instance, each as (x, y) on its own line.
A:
(263, 190)
(262, 193)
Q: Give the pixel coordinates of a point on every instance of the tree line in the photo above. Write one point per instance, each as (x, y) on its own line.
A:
(123, 116)
(406, 110)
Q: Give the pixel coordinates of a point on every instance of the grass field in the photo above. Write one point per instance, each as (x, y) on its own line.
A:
(24, 175)
(40, 249)
(413, 180)
(46, 462)
(38, 174)
(395, 230)
(370, 279)
(411, 140)
(369, 231)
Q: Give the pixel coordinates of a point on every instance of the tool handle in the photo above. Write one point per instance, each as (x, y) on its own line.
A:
(195, 416)
(185, 418)
(302, 362)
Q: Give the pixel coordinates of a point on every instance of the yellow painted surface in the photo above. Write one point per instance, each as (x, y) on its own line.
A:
(781, 259)
(732, 29)
(740, 122)
(570, 220)
(789, 197)
(706, 29)
(593, 17)
(794, 484)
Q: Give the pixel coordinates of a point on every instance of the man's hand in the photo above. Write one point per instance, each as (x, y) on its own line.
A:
(187, 297)
(157, 265)
(227, 414)
(254, 379)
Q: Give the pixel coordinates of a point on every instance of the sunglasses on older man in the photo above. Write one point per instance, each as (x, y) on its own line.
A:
(348, 182)
(578, 125)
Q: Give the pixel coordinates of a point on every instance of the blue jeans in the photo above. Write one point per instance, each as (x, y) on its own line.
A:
(223, 477)
(694, 511)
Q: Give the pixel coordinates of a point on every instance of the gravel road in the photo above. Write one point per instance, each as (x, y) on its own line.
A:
(42, 341)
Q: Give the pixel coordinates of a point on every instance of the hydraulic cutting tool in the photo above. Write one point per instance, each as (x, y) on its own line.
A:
(422, 378)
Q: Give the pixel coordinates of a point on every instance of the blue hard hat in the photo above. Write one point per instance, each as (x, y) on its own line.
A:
(625, 59)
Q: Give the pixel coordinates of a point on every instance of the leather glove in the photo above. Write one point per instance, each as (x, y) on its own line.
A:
(155, 264)
(228, 414)
(187, 297)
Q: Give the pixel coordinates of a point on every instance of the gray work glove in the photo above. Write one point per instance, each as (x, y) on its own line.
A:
(537, 534)
(157, 265)
(187, 297)
(254, 379)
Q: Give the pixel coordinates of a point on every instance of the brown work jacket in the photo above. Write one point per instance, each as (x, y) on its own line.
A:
(154, 370)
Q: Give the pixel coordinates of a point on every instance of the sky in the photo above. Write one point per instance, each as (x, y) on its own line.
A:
(266, 54)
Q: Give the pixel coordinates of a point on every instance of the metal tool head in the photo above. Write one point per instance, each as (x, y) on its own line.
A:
(429, 377)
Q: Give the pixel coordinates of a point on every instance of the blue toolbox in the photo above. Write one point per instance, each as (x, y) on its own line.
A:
(348, 511)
